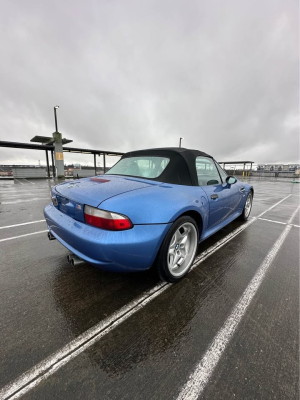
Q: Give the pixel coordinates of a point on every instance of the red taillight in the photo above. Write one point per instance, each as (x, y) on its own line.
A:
(106, 220)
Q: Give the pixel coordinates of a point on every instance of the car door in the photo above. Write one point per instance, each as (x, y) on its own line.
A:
(234, 192)
(210, 181)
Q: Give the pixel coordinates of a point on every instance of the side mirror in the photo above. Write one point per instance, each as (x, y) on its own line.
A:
(230, 180)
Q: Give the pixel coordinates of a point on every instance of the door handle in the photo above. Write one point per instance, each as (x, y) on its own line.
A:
(214, 196)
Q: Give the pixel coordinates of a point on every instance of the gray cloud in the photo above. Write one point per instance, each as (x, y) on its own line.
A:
(130, 75)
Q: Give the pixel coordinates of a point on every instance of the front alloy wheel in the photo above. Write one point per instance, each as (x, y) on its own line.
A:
(178, 250)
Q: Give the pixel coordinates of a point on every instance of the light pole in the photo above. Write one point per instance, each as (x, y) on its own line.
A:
(180, 141)
(55, 117)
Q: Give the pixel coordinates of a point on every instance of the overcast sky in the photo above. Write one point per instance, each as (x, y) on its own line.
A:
(141, 74)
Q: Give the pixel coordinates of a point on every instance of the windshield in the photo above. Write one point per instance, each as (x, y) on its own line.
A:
(142, 166)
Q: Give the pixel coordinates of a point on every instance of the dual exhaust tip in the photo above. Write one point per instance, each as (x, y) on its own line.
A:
(72, 259)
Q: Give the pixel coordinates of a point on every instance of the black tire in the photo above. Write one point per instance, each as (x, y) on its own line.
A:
(183, 224)
(246, 212)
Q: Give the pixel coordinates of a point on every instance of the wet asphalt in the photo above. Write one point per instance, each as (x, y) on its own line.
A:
(45, 304)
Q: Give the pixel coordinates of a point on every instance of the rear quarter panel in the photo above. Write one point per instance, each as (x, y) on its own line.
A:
(159, 204)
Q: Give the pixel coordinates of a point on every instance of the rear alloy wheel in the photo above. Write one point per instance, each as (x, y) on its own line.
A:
(247, 207)
(178, 250)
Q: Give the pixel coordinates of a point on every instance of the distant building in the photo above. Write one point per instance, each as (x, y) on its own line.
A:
(278, 167)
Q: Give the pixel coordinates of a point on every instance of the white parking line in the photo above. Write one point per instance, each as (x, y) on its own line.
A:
(51, 364)
(19, 181)
(47, 367)
(234, 233)
(17, 189)
(293, 215)
(208, 252)
(201, 375)
(270, 208)
(271, 220)
(278, 222)
(21, 194)
(29, 181)
(24, 223)
(21, 236)
(24, 200)
(203, 371)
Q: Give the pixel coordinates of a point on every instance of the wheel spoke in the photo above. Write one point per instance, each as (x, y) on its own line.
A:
(184, 240)
(183, 252)
(172, 251)
(173, 242)
(175, 261)
(187, 247)
(177, 236)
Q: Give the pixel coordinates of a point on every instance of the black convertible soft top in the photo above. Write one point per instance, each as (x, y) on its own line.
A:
(181, 169)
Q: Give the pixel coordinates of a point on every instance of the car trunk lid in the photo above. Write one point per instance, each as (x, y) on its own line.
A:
(72, 196)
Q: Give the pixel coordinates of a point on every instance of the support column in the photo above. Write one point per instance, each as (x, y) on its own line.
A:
(47, 161)
(53, 166)
(95, 165)
(104, 163)
(59, 155)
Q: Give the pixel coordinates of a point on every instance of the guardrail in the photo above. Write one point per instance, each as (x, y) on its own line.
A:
(29, 173)
(279, 174)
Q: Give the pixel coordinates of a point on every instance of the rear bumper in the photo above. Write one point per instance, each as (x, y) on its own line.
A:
(131, 250)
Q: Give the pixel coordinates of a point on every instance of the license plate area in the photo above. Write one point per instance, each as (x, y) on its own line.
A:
(69, 207)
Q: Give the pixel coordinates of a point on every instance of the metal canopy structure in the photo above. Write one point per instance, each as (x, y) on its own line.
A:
(48, 140)
(51, 148)
(19, 145)
(91, 151)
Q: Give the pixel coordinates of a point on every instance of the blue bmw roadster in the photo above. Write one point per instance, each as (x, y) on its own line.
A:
(152, 208)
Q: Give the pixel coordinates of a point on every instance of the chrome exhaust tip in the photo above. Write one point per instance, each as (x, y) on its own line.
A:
(50, 236)
(74, 260)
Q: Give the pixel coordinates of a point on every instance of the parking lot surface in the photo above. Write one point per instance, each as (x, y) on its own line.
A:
(229, 330)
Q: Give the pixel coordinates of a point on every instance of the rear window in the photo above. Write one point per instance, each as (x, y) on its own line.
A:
(143, 166)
